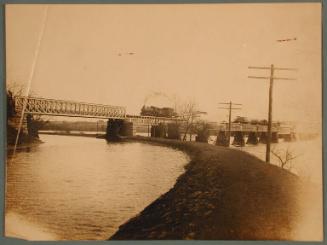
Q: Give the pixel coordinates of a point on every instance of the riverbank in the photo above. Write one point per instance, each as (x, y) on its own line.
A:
(227, 194)
(24, 139)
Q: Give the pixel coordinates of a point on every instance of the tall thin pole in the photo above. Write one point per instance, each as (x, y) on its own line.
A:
(229, 123)
(230, 108)
(271, 86)
(271, 78)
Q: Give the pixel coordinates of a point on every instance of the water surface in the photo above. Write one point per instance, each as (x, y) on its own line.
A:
(80, 188)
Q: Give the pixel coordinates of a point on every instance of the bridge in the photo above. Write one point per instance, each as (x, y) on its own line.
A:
(121, 123)
(52, 107)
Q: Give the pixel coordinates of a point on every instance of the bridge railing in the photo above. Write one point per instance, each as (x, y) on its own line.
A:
(153, 119)
(246, 127)
(67, 108)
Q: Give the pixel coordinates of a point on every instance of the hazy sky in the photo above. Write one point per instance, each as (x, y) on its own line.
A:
(198, 51)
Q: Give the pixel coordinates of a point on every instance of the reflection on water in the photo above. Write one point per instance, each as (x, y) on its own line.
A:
(80, 188)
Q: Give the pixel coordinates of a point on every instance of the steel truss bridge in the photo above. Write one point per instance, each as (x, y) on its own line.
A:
(52, 107)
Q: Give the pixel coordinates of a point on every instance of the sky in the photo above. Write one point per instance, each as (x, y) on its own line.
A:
(198, 52)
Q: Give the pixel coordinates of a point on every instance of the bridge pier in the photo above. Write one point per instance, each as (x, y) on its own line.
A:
(159, 131)
(117, 128)
(32, 128)
(238, 139)
(252, 138)
(12, 130)
(29, 129)
(274, 137)
(14, 123)
(263, 137)
(113, 129)
(173, 131)
(222, 138)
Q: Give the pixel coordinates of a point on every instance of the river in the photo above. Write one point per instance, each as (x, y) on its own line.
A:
(81, 188)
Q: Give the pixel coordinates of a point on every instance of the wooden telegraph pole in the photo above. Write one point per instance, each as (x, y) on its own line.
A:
(271, 78)
(230, 108)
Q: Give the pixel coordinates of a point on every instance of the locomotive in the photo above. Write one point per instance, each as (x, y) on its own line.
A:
(157, 111)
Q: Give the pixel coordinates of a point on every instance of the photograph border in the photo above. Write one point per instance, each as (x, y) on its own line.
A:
(12, 241)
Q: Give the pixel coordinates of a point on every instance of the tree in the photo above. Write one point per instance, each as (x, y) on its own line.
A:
(14, 89)
(35, 122)
(188, 113)
(17, 89)
(285, 157)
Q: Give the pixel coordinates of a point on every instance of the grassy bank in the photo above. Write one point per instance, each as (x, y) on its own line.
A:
(223, 194)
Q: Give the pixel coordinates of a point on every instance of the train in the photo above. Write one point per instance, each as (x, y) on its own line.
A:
(157, 111)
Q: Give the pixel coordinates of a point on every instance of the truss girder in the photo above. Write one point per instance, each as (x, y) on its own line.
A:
(44, 106)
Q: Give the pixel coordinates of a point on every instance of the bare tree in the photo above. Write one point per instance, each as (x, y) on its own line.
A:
(188, 113)
(285, 157)
(17, 89)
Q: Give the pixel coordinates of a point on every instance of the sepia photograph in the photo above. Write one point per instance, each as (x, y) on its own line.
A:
(163, 122)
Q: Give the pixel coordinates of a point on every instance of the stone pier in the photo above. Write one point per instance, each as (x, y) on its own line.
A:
(116, 128)
(252, 138)
(238, 139)
(32, 127)
(113, 129)
(274, 137)
(14, 123)
(263, 138)
(222, 138)
(29, 129)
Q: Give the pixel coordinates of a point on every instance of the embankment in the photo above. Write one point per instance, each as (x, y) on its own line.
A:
(224, 194)
(24, 140)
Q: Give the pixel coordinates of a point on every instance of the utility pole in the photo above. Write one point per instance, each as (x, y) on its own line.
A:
(230, 108)
(271, 78)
